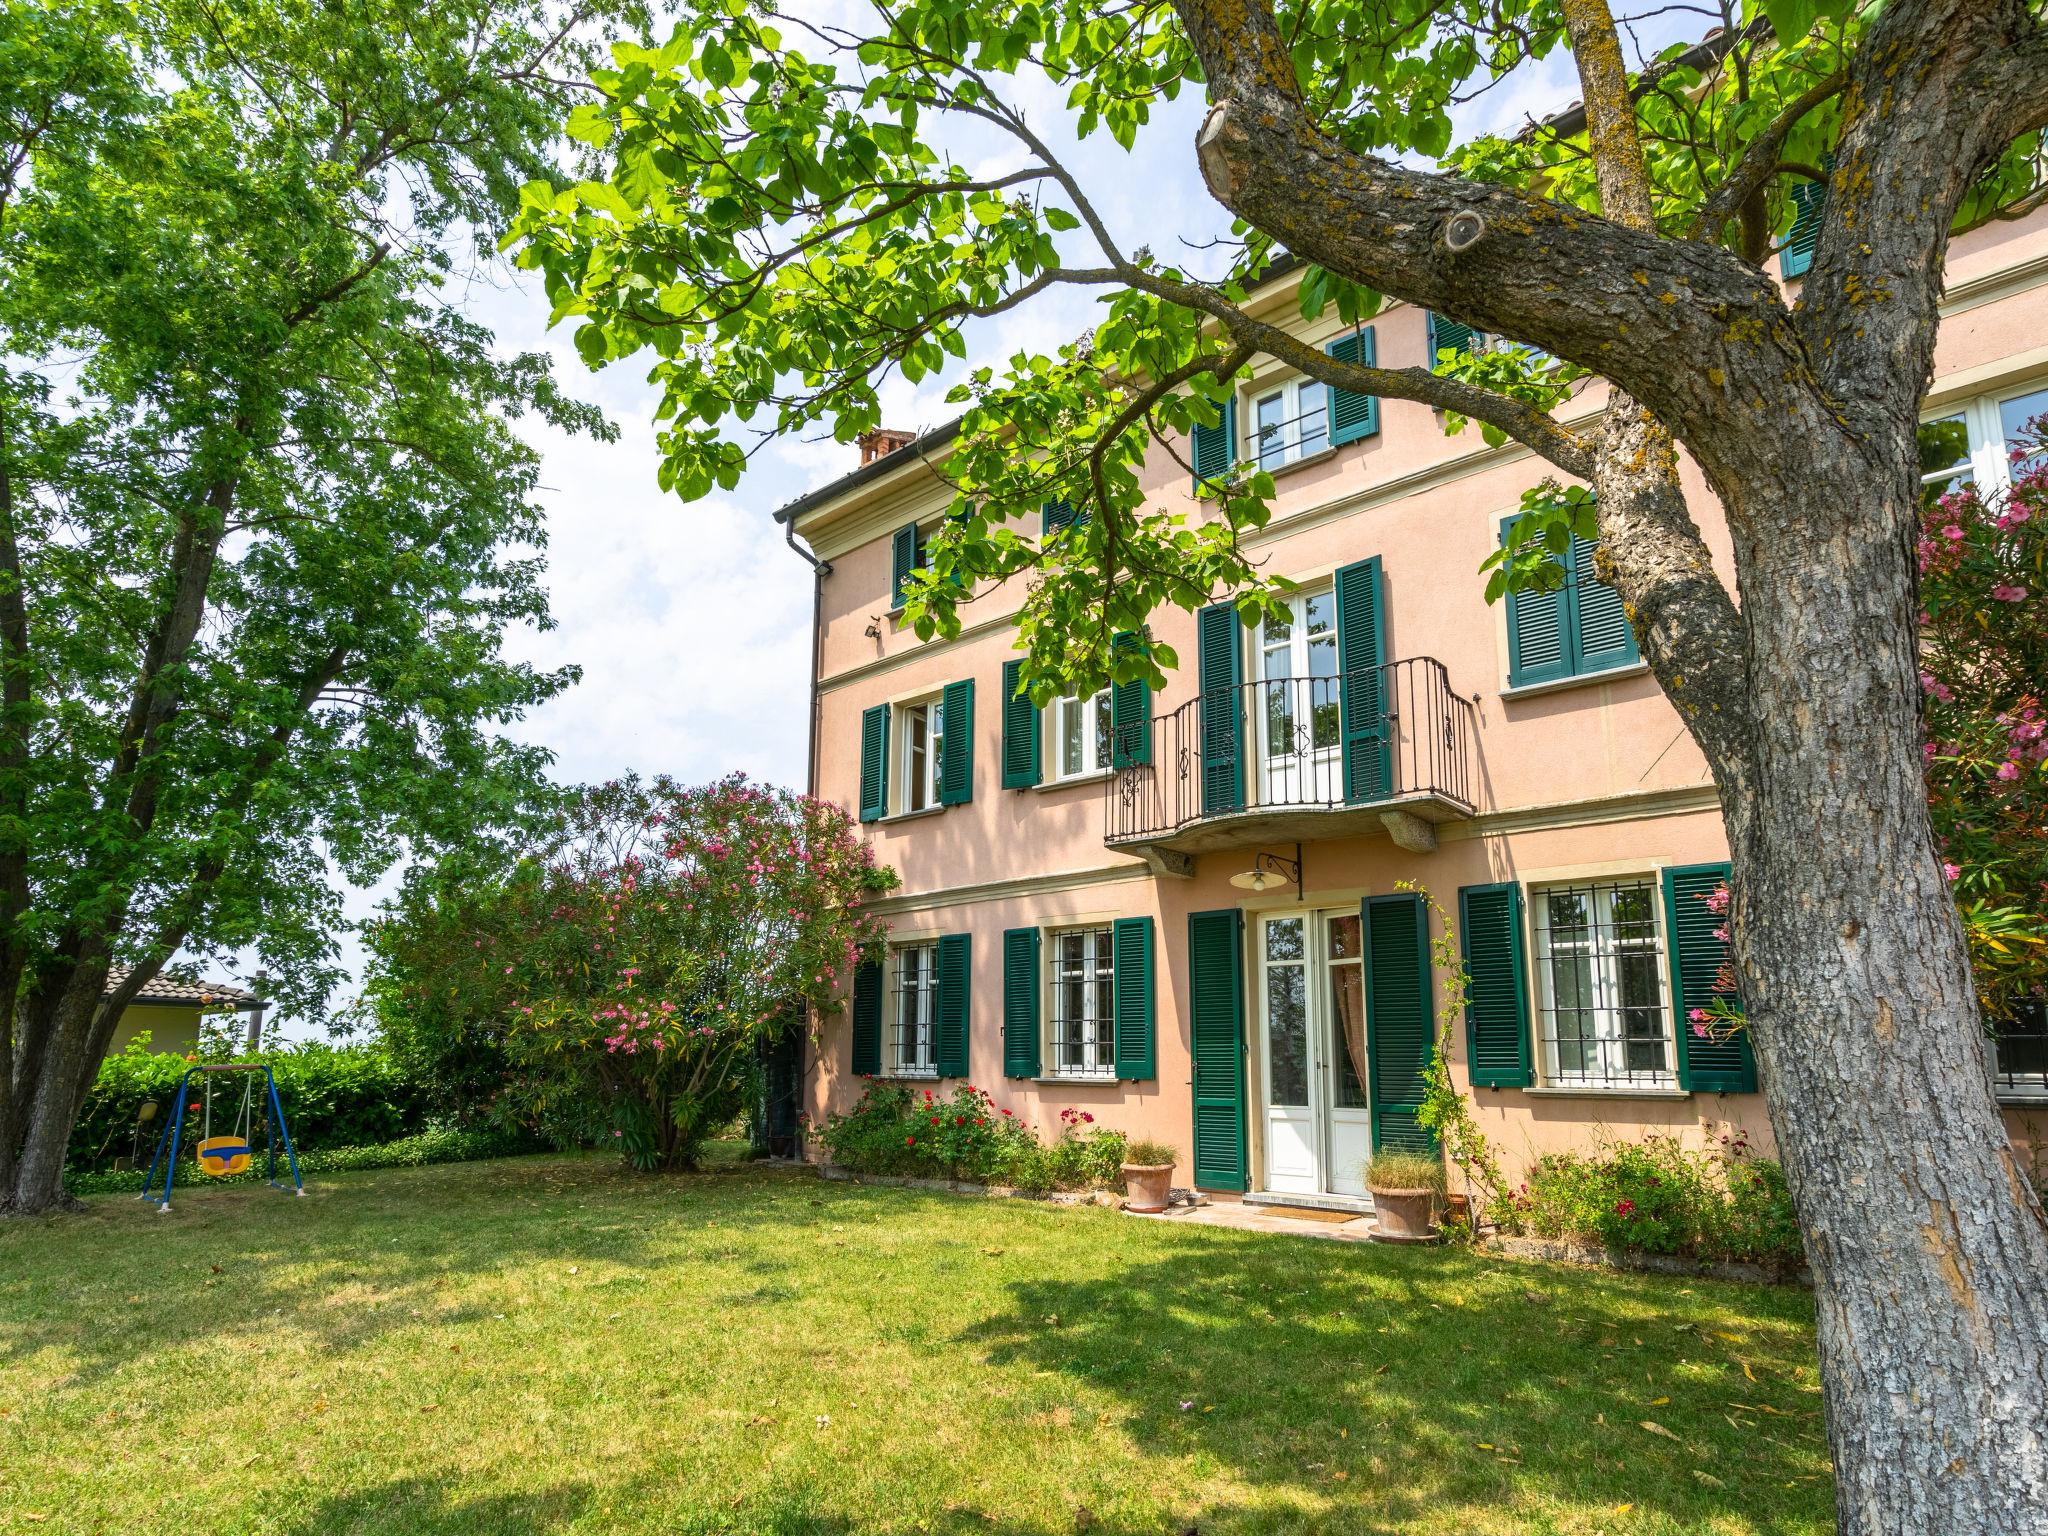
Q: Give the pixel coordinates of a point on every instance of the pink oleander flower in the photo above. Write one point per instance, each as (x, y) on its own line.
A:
(2009, 594)
(1951, 870)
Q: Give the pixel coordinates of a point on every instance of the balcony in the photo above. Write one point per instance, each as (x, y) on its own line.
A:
(1294, 759)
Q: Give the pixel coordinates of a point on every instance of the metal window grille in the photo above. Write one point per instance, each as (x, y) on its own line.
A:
(917, 992)
(1603, 1021)
(1083, 1003)
(2021, 1049)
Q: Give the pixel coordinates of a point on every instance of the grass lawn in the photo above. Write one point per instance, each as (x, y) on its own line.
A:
(552, 1344)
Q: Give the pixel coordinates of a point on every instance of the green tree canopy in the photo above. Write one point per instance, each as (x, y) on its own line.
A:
(265, 509)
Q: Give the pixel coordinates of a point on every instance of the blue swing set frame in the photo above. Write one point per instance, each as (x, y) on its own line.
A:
(173, 1133)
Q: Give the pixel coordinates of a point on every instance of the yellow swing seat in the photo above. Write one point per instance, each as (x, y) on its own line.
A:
(222, 1155)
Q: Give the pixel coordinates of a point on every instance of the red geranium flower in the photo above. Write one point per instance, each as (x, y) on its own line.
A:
(1624, 1208)
(910, 1141)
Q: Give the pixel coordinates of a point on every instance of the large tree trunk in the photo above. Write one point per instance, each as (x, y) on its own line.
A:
(50, 1096)
(1929, 1252)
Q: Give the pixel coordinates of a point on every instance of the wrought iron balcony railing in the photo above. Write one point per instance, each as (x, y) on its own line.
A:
(1370, 737)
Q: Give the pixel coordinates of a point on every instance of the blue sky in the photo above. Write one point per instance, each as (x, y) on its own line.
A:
(692, 622)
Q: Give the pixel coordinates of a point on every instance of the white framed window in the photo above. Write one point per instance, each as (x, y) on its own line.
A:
(1603, 1019)
(913, 1035)
(1973, 443)
(1082, 736)
(1081, 1003)
(1297, 710)
(921, 730)
(1289, 421)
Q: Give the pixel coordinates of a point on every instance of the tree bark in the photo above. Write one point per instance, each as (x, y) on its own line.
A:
(51, 1094)
(1928, 1248)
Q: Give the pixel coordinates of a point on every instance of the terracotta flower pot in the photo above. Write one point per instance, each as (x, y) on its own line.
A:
(1147, 1186)
(1403, 1216)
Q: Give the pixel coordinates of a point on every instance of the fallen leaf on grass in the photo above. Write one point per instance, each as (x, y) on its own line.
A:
(1659, 1402)
(1658, 1429)
(1708, 1478)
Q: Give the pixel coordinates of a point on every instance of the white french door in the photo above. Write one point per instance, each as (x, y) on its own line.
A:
(1316, 1118)
(1296, 711)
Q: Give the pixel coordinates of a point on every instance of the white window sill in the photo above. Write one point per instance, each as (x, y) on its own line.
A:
(1577, 680)
(1095, 777)
(2024, 1098)
(930, 810)
(1320, 456)
(905, 1075)
(1588, 1091)
(1080, 1080)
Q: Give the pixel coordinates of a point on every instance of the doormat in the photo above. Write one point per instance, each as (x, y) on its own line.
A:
(1310, 1213)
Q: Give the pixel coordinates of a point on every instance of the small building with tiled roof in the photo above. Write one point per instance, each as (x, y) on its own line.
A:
(170, 1008)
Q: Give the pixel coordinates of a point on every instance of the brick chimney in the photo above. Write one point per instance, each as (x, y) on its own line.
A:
(882, 442)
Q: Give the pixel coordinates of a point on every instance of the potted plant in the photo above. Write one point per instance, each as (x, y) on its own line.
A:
(1148, 1175)
(1406, 1187)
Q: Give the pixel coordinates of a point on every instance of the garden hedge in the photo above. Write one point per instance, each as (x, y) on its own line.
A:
(333, 1096)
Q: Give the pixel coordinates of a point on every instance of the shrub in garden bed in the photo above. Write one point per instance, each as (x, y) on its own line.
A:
(1656, 1196)
(903, 1130)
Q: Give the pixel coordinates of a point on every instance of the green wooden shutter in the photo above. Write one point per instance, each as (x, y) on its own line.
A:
(1353, 416)
(1539, 632)
(1219, 664)
(1497, 986)
(1216, 1042)
(1022, 757)
(1056, 514)
(1021, 1029)
(1361, 656)
(1131, 948)
(1601, 632)
(1130, 713)
(1811, 199)
(867, 1019)
(1399, 1029)
(906, 554)
(950, 1019)
(1214, 449)
(1447, 335)
(1704, 1065)
(874, 763)
(956, 750)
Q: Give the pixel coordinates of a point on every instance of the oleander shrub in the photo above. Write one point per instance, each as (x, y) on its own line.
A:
(912, 1132)
(615, 985)
(1658, 1196)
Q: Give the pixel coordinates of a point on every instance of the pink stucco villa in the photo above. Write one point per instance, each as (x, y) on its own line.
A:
(1181, 912)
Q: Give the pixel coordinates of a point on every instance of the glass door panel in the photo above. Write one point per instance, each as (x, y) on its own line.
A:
(1292, 1163)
